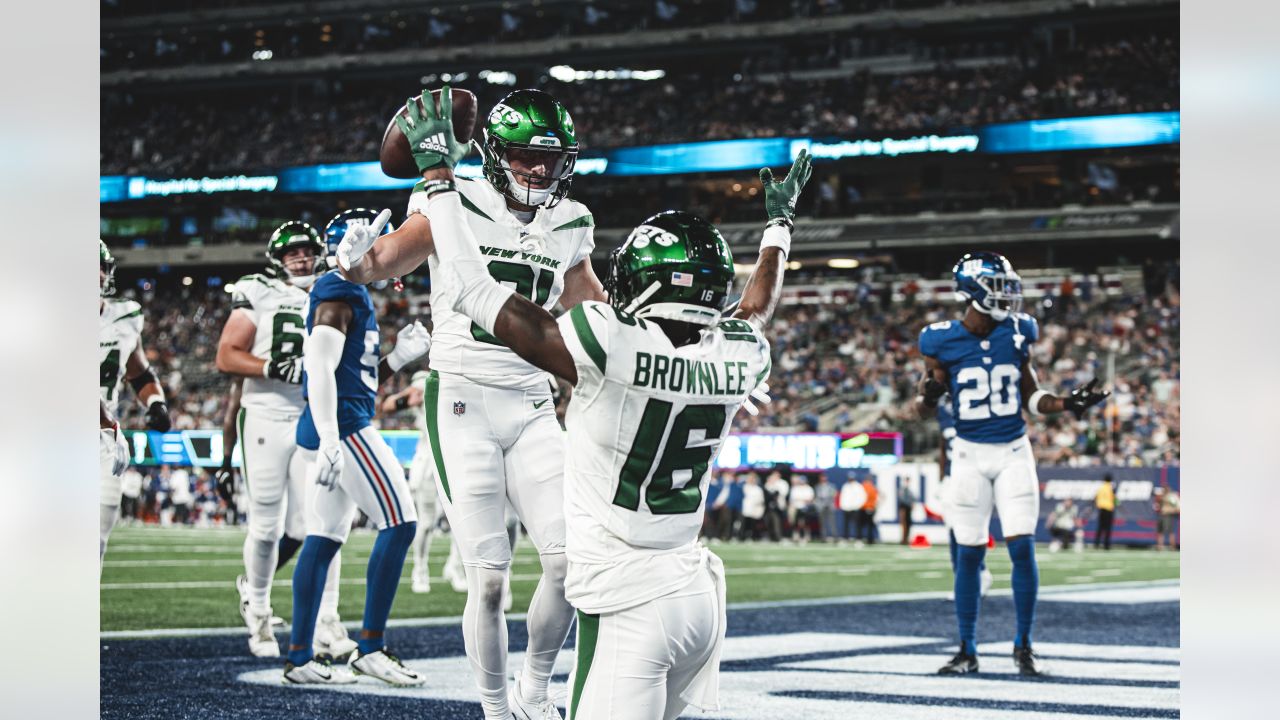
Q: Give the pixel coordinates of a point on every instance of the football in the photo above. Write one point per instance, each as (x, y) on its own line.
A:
(395, 156)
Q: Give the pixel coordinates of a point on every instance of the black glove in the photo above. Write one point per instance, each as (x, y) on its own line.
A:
(932, 390)
(158, 417)
(225, 477)
(1083, 398)
(285, 369)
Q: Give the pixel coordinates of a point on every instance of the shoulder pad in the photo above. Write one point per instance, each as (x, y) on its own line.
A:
(332, 286)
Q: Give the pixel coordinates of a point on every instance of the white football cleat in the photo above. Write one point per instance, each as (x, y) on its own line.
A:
(316, 672)
(262, 641)
(385, 667)
(331, 638)
(985, 581)
(421, 582)
(524, 710)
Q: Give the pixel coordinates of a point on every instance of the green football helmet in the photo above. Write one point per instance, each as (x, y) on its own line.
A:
(288, 236)
(675, 265)
(530, 122)
(107, 264)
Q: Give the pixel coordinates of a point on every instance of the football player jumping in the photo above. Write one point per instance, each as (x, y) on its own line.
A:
(658, 375)
(984, 362)
(490, 415)
(120, 357)
(262, 343)
(349, 466)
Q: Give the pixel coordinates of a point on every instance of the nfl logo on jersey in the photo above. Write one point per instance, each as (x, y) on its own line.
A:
(459, 407)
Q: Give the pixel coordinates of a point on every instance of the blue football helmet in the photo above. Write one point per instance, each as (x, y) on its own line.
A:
(337, 227)
(988, 282)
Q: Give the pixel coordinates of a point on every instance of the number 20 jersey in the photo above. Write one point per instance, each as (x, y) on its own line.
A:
(985, 375)
(644, 425)
(276, 308)
(531, 258)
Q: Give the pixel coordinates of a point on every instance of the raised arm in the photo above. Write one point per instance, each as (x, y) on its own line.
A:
(1042, 402)
(392, 255)
(764, 287)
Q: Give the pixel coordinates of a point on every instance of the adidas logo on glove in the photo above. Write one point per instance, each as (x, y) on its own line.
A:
(435, 143)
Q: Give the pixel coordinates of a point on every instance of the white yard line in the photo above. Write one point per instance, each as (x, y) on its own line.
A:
(1049, 590)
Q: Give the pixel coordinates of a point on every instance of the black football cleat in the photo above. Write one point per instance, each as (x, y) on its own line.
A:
(962, 664)
(1028, 663)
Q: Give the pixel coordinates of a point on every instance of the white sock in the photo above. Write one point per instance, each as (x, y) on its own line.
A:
(329, 599)
(106, 520)
(484, 633)
(259, 566)
(549, 619)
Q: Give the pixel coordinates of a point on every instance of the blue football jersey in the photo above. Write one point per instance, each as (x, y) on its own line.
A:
(357, 373)
(985, 375)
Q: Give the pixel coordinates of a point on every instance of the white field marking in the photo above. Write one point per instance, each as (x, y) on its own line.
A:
(174, 549)
(1047, 592)
(240, 563)
(914, 676)
(1123, 596)
(759, 694)
(930, 575)
(1081, 651)
(997, 664)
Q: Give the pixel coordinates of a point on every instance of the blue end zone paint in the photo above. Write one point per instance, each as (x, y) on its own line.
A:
(196, 677)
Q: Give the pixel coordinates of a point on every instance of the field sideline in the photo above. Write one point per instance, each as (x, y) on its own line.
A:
(157, 578)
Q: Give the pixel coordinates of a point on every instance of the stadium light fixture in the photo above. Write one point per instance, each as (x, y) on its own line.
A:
(565, 73)
(843, 263)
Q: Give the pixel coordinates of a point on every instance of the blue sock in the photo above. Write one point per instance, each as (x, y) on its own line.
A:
(1026, 583)
(385, 565)
(308, 585)
(288, 547)
(968, 594)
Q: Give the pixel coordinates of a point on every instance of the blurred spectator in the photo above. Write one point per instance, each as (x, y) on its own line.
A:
(180, 498)
(1062, 524)
(1105, 503)
(825, 504)
(753, 508)
(850, 500)
(906, 503)
(867, 530)
(800, 508)
(131, 494)
(729, 508)
(775, 498)
(1168, 509)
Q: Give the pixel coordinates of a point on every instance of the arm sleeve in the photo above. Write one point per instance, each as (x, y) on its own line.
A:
(322, 352)
(586, 332)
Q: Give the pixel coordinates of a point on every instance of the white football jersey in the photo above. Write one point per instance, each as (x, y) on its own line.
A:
(276, 308)
(531, 258)
(119, 333)
(646, 420)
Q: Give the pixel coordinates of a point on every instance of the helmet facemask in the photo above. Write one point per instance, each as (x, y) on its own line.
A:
(524, 186)
(1003, 297)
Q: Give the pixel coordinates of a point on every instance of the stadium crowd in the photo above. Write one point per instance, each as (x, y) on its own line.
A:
(243, 130)
(846, 365)
(436, 25)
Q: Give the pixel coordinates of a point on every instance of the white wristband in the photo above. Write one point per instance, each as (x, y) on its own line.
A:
(1034, 403)
(778, 236)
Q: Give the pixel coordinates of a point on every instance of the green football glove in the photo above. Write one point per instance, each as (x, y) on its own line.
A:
(430, 135)
(780, 197)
